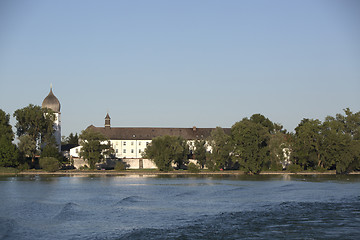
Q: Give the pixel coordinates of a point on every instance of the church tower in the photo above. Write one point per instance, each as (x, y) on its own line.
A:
(107, 121)
(53, 103)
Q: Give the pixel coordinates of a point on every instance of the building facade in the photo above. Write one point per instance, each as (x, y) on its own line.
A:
(130, 143)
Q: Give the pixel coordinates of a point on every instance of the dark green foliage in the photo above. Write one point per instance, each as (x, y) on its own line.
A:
(200, 152)
(37, 124)
(307, 144)
(263, 121)
(250, 141)
(333, 144)
(280, 146)
(5, 127)
(293, 168)
(9, 154)
(193, 168)
(95, 146)
(27, 146)
(167, 150)
(71, 139)
(49, 164)
(120, 166)
(51, 150)
(220, 157)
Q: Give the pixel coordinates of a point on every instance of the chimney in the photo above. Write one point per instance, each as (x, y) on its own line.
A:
(194, 128)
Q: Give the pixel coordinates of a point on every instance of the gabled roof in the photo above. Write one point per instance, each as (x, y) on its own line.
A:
(146, 133)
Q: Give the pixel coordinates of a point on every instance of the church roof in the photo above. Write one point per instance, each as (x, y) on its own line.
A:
(148, 133)
(51, 102)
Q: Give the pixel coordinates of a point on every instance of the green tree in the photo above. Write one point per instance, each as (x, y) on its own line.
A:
(308, 140)
(95, 147)
(221, 148)
(49, 164)
(27, 146)
(9, 154)
(340, 147)
(167, 150)
(280, 147)
(5, 127)
(37, 123)
(71, 139)
(200, 152)
(250, 140)
(51, 150)
(8, 151)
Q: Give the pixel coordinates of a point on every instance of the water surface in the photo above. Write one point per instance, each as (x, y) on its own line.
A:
(180, 207)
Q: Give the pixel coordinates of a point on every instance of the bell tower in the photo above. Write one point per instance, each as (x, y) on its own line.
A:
(107, 121)
(53, 103)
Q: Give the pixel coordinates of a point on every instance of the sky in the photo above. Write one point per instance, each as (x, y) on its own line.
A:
(181, 63)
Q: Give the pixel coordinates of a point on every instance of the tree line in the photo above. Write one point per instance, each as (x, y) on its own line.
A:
(257, 144)
(254, 144)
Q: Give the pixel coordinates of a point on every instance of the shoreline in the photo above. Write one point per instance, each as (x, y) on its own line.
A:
(136, 172)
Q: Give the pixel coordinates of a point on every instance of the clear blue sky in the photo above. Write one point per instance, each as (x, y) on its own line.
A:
(181, 63)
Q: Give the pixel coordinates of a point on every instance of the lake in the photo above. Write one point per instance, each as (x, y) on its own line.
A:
(180, 207)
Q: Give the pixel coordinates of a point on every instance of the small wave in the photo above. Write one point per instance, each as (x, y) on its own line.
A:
(70, 211)
(185, 194)
(130, 199)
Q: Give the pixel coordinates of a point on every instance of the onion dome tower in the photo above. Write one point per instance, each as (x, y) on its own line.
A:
(53, 103)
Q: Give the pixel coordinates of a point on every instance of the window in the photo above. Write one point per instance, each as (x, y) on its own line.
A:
(117, 150)
(139, 143)
(132, 150)
(147, 143)
(139, 150)
(124, 143)
(132, 143)
(124, 151)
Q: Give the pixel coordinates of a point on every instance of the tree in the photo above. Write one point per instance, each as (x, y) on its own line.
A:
(167, 150)
(5, 127)
(200, 152)
(95, 146)
(280, 147)
(37, 123)
(307, 144)
(49, 164)
(340, 147)
(265, 122)
(221, 148)
(250, 140)
(71, 139)
(8, 152)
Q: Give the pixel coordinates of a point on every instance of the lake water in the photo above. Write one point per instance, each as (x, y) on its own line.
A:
(180, 207)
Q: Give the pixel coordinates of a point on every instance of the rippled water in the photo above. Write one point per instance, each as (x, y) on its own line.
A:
(180, 207)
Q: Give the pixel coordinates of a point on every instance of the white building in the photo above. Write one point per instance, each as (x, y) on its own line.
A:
(129, 143)
(53, 103)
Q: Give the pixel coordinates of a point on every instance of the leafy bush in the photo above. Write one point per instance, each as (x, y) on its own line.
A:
(49, 164)
(23, 167)
(294, 168)
(120, 166)
(193, 168)
(85, 167)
